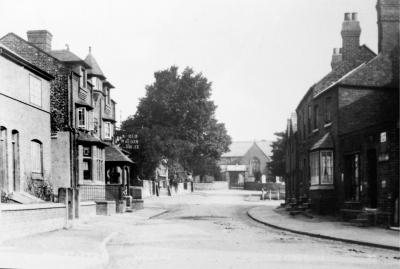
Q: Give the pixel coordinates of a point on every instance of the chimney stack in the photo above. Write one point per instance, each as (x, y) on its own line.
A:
(351, 32)
(336, 57)
(41, 39)
(388, 25)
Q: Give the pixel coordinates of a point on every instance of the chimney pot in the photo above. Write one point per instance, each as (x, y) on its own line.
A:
(347, 16)
(354, 16)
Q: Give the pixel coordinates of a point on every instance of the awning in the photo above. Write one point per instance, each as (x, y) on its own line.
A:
(114, 154)
(325, 142)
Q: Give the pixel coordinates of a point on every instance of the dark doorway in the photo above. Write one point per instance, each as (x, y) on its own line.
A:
(372, 178)
(352, 180)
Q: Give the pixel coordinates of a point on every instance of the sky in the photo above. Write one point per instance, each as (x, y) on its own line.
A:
(261, 56)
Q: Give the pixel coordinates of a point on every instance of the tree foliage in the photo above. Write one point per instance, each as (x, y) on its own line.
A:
(176, 121)
(277, 164)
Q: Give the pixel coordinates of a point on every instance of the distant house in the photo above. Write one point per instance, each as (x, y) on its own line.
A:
(246, 161)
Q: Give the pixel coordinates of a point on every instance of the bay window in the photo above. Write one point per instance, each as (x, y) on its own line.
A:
(321, 167)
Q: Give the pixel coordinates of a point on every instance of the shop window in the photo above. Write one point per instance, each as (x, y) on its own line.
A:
(87, 169)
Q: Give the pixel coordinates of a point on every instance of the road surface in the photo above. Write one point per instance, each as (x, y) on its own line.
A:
(212, 230)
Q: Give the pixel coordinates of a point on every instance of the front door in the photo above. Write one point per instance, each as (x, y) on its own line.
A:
(15, 160)
(352, 177)
(372, 178)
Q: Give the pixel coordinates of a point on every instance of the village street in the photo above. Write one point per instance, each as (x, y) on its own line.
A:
(199, 230)
(212, 230)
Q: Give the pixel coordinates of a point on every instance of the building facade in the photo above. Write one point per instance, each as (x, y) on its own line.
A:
(246, 161)
(348, 126)
(25, 156)
(82, 120)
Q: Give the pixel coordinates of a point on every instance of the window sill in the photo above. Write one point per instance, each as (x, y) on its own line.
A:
(322, 187)
(326, 125)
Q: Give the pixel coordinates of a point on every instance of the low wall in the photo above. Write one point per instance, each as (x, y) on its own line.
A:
(87, 210)
(17, 220)
(216, 185)
(257, 186)
(181, 188)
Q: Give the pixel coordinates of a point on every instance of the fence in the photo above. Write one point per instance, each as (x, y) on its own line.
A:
(111, 192)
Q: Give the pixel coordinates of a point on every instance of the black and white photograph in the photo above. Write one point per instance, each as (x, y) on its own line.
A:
(226, 134)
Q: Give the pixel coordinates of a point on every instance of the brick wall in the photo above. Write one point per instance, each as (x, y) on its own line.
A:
(59, 86)
(359, 108)
(22, 220)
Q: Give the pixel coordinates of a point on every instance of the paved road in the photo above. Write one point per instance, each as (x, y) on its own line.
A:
(212, 230)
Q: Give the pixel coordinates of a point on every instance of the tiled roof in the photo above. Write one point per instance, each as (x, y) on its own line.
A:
(379, 72)
(265, 146)
(240, 148)
(68, 57)
(114, 154)
(324, 143)
(341, 70)
(95, 70)
(87, 138)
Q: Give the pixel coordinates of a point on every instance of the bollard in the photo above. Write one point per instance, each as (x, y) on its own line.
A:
(270, 195)
(262, 193)
(278, 194)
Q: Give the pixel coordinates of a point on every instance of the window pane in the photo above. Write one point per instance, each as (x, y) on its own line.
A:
(36, 157)
(326, 167)
(314, 168)
(35, 89)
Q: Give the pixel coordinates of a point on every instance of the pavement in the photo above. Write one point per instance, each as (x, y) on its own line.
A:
(326, 228)
(82, 246)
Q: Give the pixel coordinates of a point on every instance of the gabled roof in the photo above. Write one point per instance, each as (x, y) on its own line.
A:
(240, 148)
(115, 154)
(341, 70)
(95, 70)
(17, 59)
(381, 71)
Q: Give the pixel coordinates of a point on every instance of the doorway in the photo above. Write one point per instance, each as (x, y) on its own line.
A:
(372, 178)
(352, 177)
(15, 159)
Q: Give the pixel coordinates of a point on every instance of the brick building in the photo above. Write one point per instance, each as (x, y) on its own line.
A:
(348, 126)
(82, 120)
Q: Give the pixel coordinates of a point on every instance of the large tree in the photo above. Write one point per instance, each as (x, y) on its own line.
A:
(277, 164)
(176, 121)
